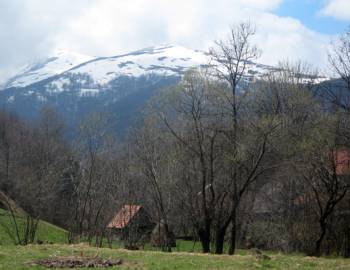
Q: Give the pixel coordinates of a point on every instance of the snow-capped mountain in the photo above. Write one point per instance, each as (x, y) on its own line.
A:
(61, 61)
(77, 84)
(168, 60)
(165, 61)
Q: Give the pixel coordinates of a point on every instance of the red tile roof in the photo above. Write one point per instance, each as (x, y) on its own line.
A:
(342, 162)
(123, 217)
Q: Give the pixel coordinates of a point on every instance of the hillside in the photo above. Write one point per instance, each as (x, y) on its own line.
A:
(46, 232)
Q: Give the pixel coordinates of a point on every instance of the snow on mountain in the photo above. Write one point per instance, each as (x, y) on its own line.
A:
(77, 84)
(164, 60)
(167, 60)
(80, 72)
(61, 61)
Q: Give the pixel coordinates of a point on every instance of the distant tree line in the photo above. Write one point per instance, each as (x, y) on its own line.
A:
(220, 158)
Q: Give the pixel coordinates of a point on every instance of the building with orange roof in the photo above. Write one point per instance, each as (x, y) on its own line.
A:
(131, 223)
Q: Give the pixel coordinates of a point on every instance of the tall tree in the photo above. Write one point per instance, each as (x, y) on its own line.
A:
(187, 115)
(232, 58)
(155, 159)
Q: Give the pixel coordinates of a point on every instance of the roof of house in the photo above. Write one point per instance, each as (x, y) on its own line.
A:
(342, 162)
(124, 216)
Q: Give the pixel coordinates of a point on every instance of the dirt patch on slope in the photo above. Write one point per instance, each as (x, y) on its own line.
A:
(77, 262)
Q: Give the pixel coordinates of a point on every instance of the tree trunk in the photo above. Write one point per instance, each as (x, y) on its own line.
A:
(220, 239)
(347, 247)
(204, 237)
(167, 244)
(233, 234)
(317, 251)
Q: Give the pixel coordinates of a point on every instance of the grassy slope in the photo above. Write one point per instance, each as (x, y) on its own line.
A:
(46, 232)
(16, 257)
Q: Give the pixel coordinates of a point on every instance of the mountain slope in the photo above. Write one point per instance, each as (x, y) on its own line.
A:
(120, 85)
(61, 61)
(67, 68)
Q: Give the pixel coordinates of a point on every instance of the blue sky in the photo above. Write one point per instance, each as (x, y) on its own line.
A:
(309, 13)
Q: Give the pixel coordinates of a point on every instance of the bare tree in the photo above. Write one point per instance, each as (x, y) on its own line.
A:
(339, 60)
(188, 119)
(34, 159)
(286, 94)
(323, 175)
(232, 58)
(153, 155)
(95, 187)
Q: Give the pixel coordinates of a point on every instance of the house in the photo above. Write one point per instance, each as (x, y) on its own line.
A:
(132, 223)
(341, 168)
(342, 162)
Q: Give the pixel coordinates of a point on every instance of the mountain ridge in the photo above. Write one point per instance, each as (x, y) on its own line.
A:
(171, 59)
(76, 84)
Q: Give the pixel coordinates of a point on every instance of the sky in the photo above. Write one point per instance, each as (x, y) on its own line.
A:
(285, 29)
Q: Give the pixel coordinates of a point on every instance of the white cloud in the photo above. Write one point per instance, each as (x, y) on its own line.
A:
(262, 4)
(287, 39)
(28, 28)
(338, 9)
(109, 27)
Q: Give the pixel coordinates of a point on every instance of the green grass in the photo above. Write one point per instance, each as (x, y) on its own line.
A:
(181, 246)
(19, 257)
(46, 232)
(185, 256)
(184, 246)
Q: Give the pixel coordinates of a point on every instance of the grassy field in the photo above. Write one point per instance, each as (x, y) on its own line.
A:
(185, 256)
(46, 232)
(18, 257)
